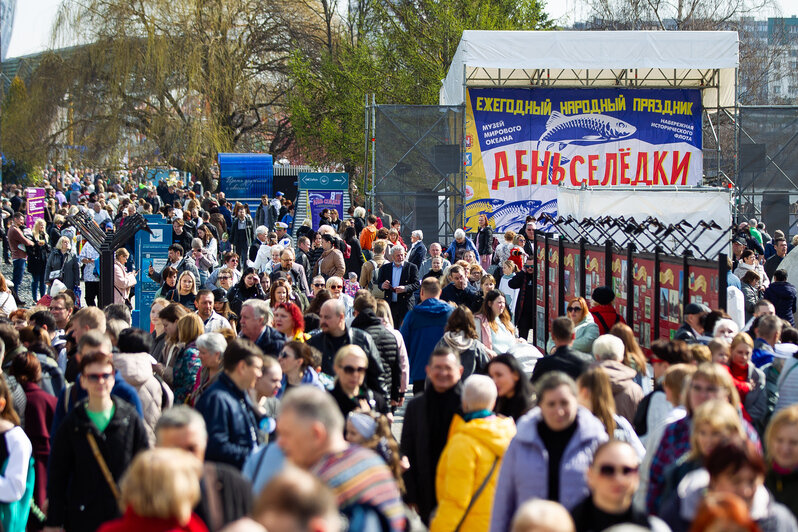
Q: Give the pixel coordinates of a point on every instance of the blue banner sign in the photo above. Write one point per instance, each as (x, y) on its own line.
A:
(151, 250)
(323, 181)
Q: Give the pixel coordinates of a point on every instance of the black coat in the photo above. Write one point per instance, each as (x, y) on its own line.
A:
(563, 359)
(355, 261)
(242, 238)
(70, 270)
(391, 377)
(424, 433)
(80, 498)
(230, 489)
(323, 343)
(375, 400)
(408, 279)
(484, 241)
(240, 293)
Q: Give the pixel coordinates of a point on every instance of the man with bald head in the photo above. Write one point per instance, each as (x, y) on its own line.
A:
(335, 334)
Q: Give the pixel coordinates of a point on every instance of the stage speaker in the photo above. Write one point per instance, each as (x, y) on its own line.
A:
(447, 158)
(427, 216)
(776, 212)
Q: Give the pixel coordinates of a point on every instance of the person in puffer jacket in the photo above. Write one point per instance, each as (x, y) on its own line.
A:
(366, 320)
(783, 296)
(472, 458)
(135, 364)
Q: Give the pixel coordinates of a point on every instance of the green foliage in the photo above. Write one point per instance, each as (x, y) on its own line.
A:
(397, 50)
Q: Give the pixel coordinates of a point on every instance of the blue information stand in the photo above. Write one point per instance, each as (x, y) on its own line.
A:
(150, 249)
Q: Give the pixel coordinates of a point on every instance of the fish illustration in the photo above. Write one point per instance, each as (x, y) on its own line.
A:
(312, 197)
(550, 207)
(569, 261)
(616, 266)
(699, 284)
(640, 273)
(584, 129)
(666, 278)
(592, 264)
(554, 256)
(513, 213)
(477, 207)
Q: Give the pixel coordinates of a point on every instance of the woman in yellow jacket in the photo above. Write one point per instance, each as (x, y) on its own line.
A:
(470, 462)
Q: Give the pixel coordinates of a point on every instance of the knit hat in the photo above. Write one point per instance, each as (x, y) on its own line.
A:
(603, 295)
(364, 424)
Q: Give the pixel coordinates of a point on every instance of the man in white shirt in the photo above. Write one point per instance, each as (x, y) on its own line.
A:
(214, 322)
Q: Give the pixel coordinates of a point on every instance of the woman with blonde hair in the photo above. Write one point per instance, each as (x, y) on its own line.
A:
(494, 326)
(62, 264)
(595, 394)
(123, 280)
(713, 422)
(585, 328)
(185, 291)
(37, 259)
(159, 492)
(748, 379)
(187, 363)
(781, 442)
(710, 381)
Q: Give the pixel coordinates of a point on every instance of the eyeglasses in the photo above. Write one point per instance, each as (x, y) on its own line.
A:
(283, 354)
(318, 285)
(95, 377)
(610, 471)
(336, 287)
(529, 266)
(223, 277)
(574, 309)
(351, 370)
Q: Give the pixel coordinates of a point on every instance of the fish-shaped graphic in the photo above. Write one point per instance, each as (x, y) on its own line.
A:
(640, 272)
(584, 129)
(511, 214)
(477, 207)
(550, 207)
(699, 284)
(666, 278)
(569, 261)
(592, 265)
(554, 256)
(312, 197)
(616, 266)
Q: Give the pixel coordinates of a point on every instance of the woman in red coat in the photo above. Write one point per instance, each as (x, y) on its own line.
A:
(39, 412)
(158, 493)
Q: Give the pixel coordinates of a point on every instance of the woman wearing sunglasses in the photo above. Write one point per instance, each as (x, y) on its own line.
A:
(613, 478)
(350, 392)
(296, 361)
(585, 328)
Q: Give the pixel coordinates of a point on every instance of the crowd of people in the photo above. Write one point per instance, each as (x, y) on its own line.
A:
(264, 395)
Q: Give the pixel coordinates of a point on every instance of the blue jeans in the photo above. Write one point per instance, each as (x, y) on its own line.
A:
(37, 281)
(19, 271)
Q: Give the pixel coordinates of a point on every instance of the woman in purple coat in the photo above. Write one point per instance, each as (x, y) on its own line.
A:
(550, 453)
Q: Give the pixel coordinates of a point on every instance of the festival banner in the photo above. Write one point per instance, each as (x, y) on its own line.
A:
(36, 203)
(571, 265)
(671, 289)
(521, 143)
(324, 199)
(703, 282)
(643, 300)
(619, 282)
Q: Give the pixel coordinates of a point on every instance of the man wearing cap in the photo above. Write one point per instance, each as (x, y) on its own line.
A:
(738, 246)
(692, 327)
(213, 321)
(283, 238)
(603, 312)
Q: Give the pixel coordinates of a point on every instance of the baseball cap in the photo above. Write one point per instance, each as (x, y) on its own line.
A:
(696, 308)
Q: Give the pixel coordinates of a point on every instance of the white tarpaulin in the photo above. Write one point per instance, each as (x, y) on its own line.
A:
(669, 206)
(605, 58)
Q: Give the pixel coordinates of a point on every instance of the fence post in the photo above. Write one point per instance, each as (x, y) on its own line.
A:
(582, 265)
(686, 284)
(608, 263)
(560, 276)
(655, 317)
(546, 294)
(629, 280)
(723, 272)
(534, 286)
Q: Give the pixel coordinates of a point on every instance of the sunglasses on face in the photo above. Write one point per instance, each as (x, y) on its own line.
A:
(95, 377)
(610, 471)
(336, 287)
(351, 370)
(574, 309)
(283, 354)
(223, 277)
(318, 285)
(529, 266)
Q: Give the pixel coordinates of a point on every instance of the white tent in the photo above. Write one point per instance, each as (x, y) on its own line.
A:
(678, 59)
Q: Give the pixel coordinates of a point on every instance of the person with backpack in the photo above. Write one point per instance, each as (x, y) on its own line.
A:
(603, 312)
(370, 270)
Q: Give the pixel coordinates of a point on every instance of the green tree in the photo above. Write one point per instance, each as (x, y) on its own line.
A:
(193, 77)
(397, 50)
(20, 132)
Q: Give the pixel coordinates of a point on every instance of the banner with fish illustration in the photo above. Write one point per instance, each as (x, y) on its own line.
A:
(521, 143)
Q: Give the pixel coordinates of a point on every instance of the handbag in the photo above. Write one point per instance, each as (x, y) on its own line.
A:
(477, 493)
(103, 466)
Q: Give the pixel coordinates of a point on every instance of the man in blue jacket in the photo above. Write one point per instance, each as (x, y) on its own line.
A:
(423, 328)
(227, 408)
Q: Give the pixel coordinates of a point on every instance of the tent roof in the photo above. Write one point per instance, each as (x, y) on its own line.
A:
(705, 59)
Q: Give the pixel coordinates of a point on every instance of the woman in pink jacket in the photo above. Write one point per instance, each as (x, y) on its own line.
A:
(123, 280)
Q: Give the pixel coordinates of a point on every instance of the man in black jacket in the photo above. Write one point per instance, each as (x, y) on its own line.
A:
(366, 319)
(177, 261)
(563, 358)
(426, 429)
(335, 334)
(225, 494)
(458, 291)
(524, 281)
(398, 280)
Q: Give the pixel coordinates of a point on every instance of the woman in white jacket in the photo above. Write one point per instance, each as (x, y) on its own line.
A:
(748, 262)
(16, 478)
